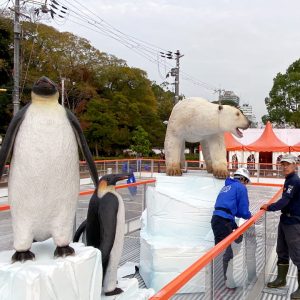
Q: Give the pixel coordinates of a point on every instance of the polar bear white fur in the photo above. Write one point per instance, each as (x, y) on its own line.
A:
(197, 120)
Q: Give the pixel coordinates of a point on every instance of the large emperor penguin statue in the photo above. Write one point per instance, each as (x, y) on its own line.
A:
(104, 228)
(44, 177)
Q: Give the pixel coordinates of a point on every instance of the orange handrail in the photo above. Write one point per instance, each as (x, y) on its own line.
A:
(91, 191)
(4, 207)
(172, 287)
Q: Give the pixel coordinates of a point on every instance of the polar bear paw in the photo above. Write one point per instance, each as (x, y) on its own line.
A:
(221, 173)
(209, 169)
(173, 171)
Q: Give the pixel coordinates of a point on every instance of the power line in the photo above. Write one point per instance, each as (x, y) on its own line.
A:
(79, 14)
(131, 43)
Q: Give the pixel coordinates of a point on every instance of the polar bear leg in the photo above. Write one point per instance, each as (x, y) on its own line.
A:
(182, 156)
(217, 152)
(173, 148)
(206, 155)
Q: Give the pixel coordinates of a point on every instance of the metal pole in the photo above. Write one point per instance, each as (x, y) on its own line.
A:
(178, 56)
(17, 32)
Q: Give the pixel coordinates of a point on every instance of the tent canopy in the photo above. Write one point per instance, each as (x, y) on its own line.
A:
(231, 143)
(268, 142)
(295, 148)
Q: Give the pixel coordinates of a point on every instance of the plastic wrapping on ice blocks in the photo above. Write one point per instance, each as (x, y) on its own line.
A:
(46, 278)
(182, 206)
(190, 189)
(131, 290)
(162, 259)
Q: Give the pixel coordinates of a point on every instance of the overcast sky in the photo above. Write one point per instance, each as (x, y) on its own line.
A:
(237, 45)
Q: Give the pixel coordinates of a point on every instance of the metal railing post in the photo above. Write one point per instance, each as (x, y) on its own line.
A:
(140, 167)
(152, 167)
(212, 288)
(144, 197)
(265, 232)
(258, 171)
(117, 166)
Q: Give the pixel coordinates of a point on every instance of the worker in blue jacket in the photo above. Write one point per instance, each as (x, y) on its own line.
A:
(288, 238)
(231, 202)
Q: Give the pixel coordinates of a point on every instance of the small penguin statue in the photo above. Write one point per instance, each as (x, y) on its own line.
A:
(104, 228)
(44, 179)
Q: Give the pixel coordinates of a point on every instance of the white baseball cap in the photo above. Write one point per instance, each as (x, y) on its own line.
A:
(291, 159)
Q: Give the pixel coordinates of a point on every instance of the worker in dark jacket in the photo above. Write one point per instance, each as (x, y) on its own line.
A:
(231, 202)
(288, 239)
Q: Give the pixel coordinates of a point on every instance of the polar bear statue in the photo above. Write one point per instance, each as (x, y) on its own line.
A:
(197, 120)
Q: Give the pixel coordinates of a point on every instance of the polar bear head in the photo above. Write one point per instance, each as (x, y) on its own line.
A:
(232, 119)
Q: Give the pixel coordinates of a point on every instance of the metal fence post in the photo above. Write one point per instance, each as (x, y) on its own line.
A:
(258, 171)
(152, 167)
(144, 197)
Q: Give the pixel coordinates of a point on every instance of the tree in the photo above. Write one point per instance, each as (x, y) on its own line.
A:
(140, 142)
(110, 99)
(283, 103)
(6, 79)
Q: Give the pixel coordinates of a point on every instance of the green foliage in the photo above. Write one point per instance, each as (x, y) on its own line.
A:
(284, 101)
(6, 53)
(6, 68)
(140, 142)
(110, 99)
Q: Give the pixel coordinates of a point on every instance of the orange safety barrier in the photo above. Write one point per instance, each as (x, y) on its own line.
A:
(4, 207)
(91, 191)
(172, 287)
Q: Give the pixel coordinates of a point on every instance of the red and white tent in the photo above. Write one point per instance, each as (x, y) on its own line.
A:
(295, 148)
(264, 145)
(268, 142)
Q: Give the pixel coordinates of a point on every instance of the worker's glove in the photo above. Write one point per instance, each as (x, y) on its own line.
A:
(265, 207)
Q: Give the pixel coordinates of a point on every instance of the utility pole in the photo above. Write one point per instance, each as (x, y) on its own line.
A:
(178, 56)
(174, 71)
(220, 92)
(17, 32)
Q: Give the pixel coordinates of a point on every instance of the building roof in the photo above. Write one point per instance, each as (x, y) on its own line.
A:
(268, 142)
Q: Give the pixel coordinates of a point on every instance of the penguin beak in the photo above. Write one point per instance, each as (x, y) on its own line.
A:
(122, 176)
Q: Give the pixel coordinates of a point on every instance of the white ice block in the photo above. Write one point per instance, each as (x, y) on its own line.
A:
(182, 207)
(73, 277)
(162, 259)
(176, 229)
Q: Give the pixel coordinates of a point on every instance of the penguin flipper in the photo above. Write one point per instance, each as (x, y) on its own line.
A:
(10, 136)
(83, 146)
(79, 231)
(108, 211)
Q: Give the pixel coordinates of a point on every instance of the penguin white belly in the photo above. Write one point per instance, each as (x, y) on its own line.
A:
(44, 177)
